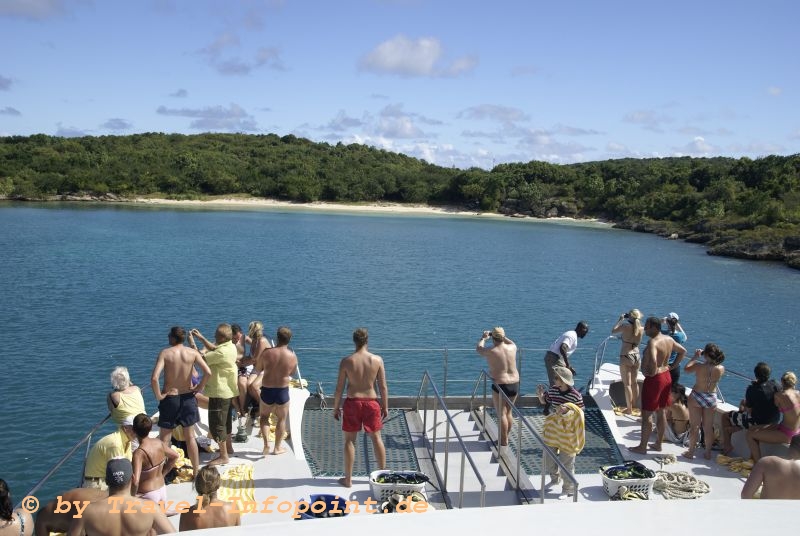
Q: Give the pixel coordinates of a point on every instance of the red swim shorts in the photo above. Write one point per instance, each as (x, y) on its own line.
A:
(656, 391)
(358, 411)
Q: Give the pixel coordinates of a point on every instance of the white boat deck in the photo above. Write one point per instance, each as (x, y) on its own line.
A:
(287, 478)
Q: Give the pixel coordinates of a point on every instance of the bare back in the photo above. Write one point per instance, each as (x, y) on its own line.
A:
(707, 377)
(656, 354)
(780, 478)
(788, 403)
(362, 369)
(148, 461)
(502, 361)
(121, 515)
(627, 334)
(278, 364)
(214, 515)
(177, 363)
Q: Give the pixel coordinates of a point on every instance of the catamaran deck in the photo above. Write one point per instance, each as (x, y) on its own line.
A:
(314, 466)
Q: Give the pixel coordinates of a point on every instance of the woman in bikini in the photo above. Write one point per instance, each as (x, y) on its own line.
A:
(788, 402)
(630, 329)
(151, 461)
(703, 400)
(13, 522)
(678, 411)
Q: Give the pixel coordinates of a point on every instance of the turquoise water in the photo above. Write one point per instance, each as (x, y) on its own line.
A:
(87, 287)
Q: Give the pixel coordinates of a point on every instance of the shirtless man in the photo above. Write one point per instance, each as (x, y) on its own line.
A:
(278, 364)
(779, 478)
(502, 361)
(177, 405)
(657, 383)
(49, 520)
(361, 370)
(121, 514)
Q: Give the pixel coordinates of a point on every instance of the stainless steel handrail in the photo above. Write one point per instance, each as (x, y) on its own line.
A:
(86, 439)
(438, 400)
(521, 420)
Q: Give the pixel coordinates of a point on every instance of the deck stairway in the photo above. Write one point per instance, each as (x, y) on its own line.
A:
(449, 460)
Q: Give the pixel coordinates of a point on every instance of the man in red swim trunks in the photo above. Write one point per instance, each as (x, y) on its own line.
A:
(361, 370)
(657, 383)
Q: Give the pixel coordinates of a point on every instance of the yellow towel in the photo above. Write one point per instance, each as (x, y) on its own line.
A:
(565, 432)
(237, 481)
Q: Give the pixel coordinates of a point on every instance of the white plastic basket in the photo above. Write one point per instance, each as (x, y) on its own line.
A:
(382, 491)
(641, 485)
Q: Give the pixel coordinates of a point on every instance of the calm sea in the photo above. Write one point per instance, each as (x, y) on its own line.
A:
(87, 287)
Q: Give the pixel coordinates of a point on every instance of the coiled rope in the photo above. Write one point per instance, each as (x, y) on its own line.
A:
(680, 485)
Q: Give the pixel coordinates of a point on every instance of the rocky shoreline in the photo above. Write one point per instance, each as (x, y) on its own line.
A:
(726, 240)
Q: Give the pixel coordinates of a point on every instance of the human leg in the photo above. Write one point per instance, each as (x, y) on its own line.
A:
(568, 461)
(349, 458)
(499, 410)
(708, 429)
(647, 429)
(281, 414)
(769, 434)
(380, 450)
(264, 413)
(551, 468)
(695, 420)
(241, 383)
(219, 414)
(552, 360)
(625, 373)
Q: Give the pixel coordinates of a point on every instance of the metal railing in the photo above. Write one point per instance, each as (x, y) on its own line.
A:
(465, 456)
(547, 452)
(85, 439)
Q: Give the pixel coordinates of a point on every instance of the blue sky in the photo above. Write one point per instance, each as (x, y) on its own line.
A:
(459, 83)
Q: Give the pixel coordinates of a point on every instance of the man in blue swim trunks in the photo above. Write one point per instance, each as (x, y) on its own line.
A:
(177, 405)
(278, 364)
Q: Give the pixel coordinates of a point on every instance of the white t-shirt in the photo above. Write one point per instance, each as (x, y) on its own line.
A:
(571, 340)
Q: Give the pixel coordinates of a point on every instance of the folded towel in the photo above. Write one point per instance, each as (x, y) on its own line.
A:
(237, 481)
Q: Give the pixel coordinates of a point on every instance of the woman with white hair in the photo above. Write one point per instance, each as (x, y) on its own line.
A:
(126, 399)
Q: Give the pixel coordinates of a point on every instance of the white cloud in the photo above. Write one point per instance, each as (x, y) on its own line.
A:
(403, 56)
(180, 94)
(115, 123)
(343, 122)
(492, 112)
(774, 91)
(224, 41)
(648, 119)
(574, 131)
(31, 9)
(8, 110)
(69, 132)
(398, 127)
(697, 147)
(212, 118)
(235, 65)
(5, 83)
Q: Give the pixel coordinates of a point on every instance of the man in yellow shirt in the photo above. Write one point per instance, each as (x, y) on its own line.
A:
(114, 445)
(221, 388)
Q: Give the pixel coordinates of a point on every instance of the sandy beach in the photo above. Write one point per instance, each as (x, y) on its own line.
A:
(398, 209)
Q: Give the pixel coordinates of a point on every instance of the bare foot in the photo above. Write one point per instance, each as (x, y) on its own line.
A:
(688, 455)
(638, 449)
(265, 451)
(655, 446)
(218, 461)
(707, 455)
(280, 450)
(726, 451)
(626, 411)
(345, 482)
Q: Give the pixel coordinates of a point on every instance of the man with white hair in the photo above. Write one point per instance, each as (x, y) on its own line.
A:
(502, 360)
(114, 445)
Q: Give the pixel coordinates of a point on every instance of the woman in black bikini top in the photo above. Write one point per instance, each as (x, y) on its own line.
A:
(13, 522)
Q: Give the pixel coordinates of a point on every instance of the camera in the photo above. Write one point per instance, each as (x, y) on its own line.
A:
(626, 315)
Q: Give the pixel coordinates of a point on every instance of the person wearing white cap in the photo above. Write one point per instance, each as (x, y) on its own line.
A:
(502, 360)
(122, 514)
(113, 445)
(671, 326)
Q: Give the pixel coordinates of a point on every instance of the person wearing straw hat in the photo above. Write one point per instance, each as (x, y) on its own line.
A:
(502, 360)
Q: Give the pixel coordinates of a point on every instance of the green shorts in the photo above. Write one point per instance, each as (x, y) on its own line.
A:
(220, 422)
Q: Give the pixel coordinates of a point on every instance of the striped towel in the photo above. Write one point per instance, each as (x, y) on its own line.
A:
(565, 432)
(237, 481)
